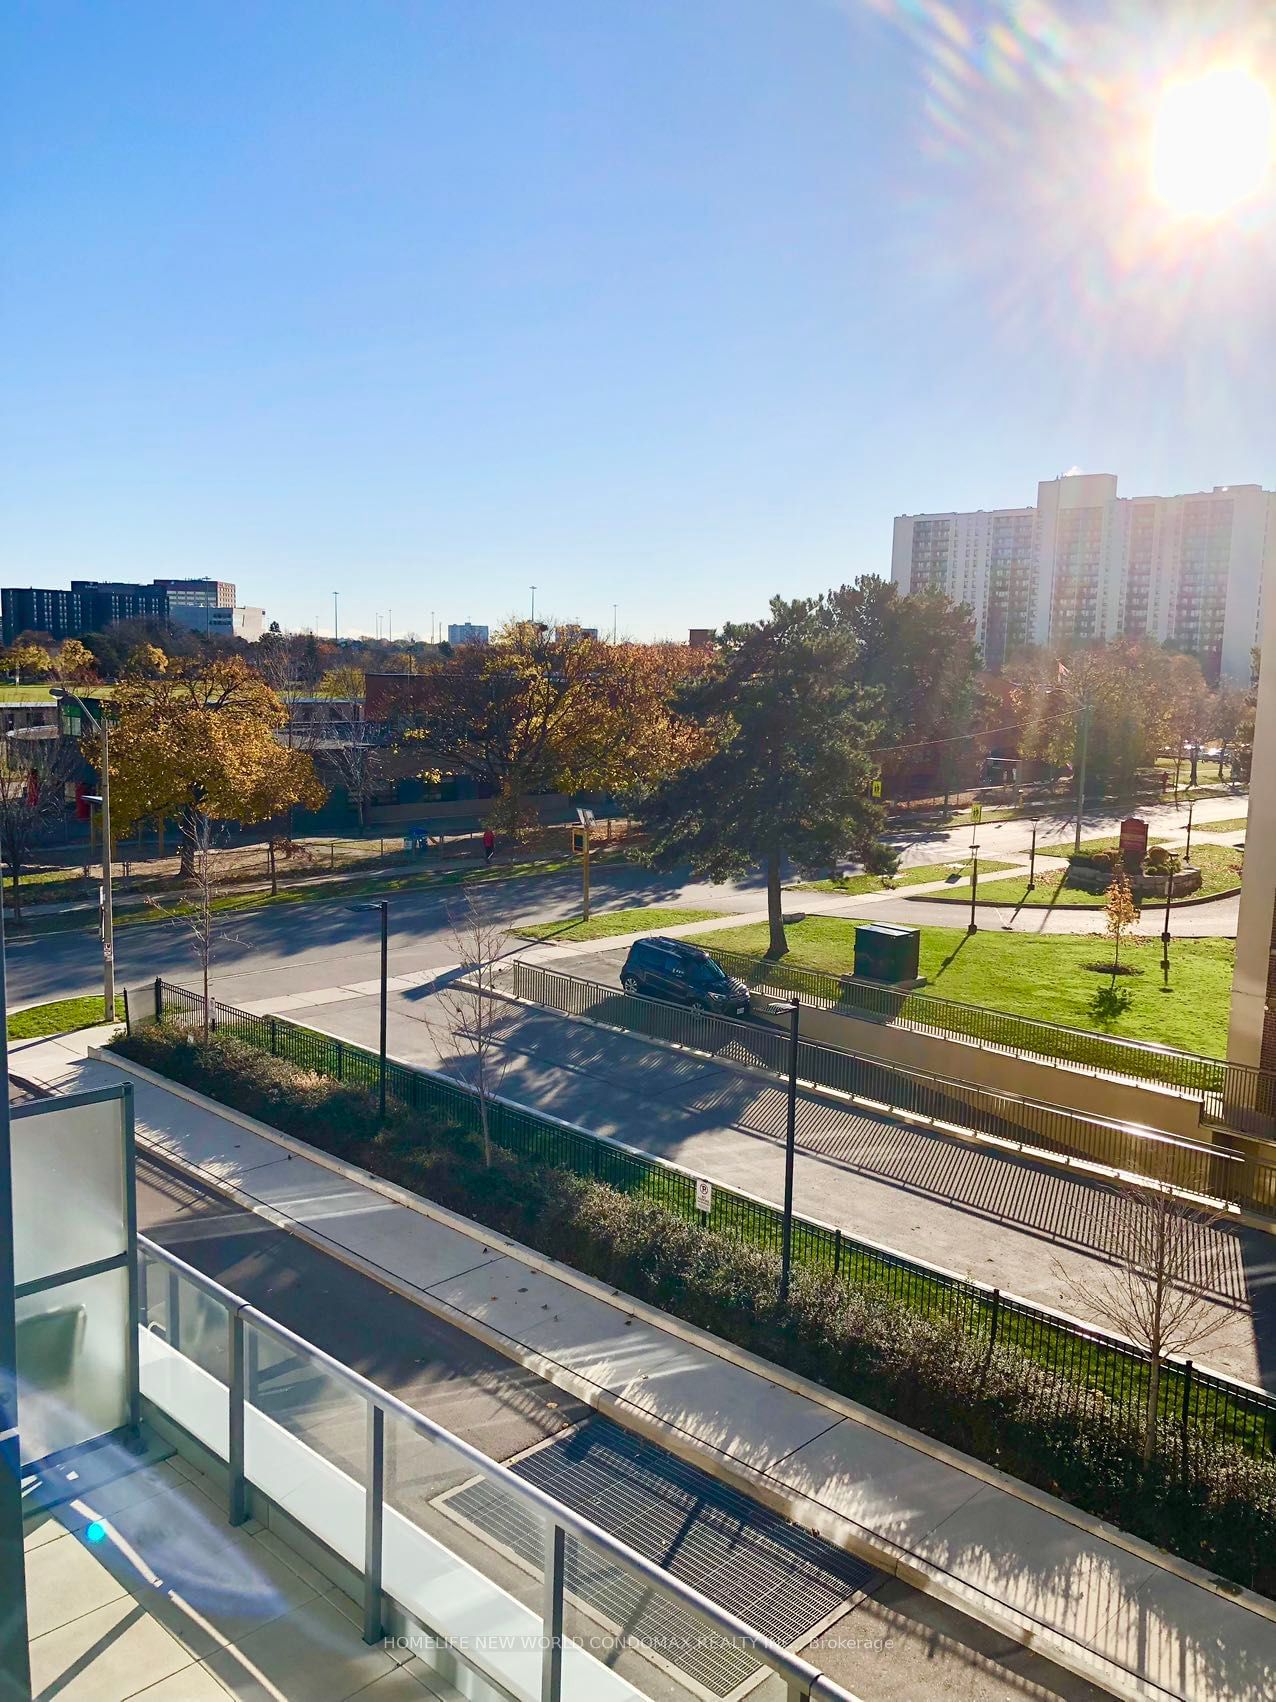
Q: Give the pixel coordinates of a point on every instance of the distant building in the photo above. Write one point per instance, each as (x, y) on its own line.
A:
(219, 620)
(198, 593)
(465, 632)
(1086, 564)
(701, 638)
(208, 605)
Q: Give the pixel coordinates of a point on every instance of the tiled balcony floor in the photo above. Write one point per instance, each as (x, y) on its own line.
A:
(141, 1589)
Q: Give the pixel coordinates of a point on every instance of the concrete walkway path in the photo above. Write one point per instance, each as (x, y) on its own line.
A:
(1107, 1605)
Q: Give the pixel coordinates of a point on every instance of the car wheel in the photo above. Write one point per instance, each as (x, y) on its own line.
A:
(629, 985)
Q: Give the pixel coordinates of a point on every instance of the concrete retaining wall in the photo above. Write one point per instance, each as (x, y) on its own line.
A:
(1001, 1072)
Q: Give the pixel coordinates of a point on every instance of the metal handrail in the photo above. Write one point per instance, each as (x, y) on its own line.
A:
(803, 1679)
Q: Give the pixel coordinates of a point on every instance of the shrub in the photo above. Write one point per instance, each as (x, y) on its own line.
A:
(1216, 1507)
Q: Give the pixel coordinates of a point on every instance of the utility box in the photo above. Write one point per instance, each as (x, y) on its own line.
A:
(884, 953)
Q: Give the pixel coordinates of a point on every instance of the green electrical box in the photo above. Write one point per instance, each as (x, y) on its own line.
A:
(884, 953)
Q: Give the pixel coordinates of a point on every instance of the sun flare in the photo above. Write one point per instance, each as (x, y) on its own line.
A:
(1212, 142)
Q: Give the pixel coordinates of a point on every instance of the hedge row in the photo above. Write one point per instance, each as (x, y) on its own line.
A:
(1217, 1508)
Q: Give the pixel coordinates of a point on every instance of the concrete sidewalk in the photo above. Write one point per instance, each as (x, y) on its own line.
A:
(1097, 1601)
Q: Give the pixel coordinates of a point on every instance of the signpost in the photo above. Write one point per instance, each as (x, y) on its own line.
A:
(586, 818)
(704, 1196)
(1134, 844)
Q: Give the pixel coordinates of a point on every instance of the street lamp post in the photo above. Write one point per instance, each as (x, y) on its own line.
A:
(102, 728)
(1084, 731)
(972, 926)
(794, 1008)
(383, 907)
(1187, 849)
(1032, 857)
(1165, 931)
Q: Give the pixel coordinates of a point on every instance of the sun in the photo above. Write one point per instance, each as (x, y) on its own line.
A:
(1212, 142)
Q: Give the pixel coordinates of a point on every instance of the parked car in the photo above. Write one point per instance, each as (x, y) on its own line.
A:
(671, 969)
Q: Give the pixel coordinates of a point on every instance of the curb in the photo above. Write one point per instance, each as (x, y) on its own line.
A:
(791, 1503)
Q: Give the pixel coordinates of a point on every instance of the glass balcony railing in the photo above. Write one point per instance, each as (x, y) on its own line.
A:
(440, 1536)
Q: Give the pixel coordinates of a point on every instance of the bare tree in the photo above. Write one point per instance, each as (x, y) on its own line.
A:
(197, 914)
(356, 760)
(33, 779)
(1153, 1290)
(469, 1014)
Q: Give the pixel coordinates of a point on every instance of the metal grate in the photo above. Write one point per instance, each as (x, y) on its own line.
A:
(777, 1578)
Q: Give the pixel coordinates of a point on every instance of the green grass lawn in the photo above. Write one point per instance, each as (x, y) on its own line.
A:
(851, 886)
(61, 1017)
(1046, 977)
(1233, 824)
(1217, 863)
(609, 922)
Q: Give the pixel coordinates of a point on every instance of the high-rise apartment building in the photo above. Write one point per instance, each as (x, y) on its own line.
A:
(466, 632)
(1085, 563)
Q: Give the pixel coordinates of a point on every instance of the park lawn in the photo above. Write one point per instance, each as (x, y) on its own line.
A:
(61, 1017)
(610, 922)
(1045, 977)
(1233, 824)
(851, 886)
(1217, 863)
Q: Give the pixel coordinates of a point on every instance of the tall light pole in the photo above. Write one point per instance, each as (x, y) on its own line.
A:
(533, 605)
(335, 595)
(1085, 745)
(1032, 856)
(613, 623)
(972, 926)
(794, 1008)
(103, 730)
(384, 908)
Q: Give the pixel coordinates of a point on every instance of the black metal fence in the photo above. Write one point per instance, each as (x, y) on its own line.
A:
(945, 1103)
(1195, 1403)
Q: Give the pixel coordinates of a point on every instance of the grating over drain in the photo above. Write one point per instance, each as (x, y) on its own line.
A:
(779, 1579)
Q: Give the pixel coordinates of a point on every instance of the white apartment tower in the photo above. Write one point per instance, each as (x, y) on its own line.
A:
(1086, 563)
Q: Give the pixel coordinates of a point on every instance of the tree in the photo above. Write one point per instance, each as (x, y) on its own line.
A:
(919, 656)
(26, 657)
(1152, 1293)
(344, 682)
(1129, 696)
(786, 774)
(1120, 911)
(356, 761)
(33, 780)
(198, 742)
(1228, 713)
(469, 1014)
(536, 711)
(75, 663)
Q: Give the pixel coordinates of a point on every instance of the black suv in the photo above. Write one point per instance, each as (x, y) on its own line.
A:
(669, 969)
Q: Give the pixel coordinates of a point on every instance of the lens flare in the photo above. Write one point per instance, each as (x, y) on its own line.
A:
(1212, 143)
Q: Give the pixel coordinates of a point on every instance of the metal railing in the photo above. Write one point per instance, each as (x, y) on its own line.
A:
(943, 1102)
(927, 1013)
(238, 1361)
(1191, 1400)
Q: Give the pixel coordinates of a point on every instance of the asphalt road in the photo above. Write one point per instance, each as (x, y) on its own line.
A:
(894, 1646)
(282, 948)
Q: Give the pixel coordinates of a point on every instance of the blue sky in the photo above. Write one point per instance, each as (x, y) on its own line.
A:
(669, 304)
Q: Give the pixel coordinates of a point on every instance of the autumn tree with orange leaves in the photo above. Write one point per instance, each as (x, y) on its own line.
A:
(541, 711)
(196, 742)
